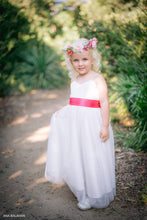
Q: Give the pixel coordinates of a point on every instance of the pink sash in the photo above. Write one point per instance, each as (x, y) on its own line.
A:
(85, 102)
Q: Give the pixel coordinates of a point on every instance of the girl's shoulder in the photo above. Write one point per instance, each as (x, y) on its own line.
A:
(99, 80)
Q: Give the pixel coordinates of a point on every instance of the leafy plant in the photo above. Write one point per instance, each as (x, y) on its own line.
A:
(11, 32)
(133, 91)
(39, 67)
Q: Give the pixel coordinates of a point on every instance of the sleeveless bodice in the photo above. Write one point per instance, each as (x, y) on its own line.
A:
(86, 90)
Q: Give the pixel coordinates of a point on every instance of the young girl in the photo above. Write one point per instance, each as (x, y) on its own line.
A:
(80, 145)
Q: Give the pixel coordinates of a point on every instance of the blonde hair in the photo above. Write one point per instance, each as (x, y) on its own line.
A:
(95, 56)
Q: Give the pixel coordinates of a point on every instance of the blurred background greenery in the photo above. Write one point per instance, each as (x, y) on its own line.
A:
(32, 35)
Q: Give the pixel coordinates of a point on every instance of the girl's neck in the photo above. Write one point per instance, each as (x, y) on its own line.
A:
(86, 76)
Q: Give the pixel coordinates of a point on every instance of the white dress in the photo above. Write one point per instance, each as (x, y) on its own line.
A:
(76, 155)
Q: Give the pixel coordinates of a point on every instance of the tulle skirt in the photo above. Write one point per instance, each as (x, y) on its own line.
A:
(77, 156)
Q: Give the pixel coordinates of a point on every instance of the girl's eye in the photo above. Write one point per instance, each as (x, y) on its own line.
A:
(85, 59)
(75, 60)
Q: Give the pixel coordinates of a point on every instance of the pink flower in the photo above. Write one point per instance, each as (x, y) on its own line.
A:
(90, 44)
(94, 39)
(85, 48)
(69, 52)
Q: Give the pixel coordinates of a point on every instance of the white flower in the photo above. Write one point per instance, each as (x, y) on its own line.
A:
(93, 44)
(77, 48)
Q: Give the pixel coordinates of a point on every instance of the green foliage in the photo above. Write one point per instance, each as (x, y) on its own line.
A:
(115, 44)
(39, 67)
(144, 195)
(22, 23)
(11, 31)
(133, 90)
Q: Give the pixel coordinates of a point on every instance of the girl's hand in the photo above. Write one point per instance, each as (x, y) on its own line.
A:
(104, 134)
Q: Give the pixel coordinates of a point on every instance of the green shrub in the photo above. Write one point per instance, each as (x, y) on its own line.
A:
(11, 32)
(133, 90)
(39, 67)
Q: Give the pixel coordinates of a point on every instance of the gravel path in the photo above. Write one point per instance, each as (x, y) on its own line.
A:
(24, 191)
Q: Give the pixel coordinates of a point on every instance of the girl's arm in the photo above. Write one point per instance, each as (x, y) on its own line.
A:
(103, 95)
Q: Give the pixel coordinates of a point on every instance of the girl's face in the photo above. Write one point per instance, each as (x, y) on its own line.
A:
(82, 62)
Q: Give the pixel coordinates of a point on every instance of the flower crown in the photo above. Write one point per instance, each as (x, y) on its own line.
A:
(78, 47)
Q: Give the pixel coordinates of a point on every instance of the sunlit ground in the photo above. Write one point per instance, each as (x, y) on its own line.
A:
(24, 148)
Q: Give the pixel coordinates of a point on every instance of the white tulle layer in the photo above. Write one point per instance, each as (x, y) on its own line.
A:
(77, 156)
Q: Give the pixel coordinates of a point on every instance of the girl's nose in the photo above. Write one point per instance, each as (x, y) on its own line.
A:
(80, 62)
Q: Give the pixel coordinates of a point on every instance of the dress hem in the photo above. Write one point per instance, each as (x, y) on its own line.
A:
(102, 202)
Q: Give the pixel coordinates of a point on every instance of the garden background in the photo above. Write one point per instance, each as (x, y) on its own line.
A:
(33, 78)
(32, 35)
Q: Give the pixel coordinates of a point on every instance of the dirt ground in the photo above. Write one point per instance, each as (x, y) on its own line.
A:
(24, 191)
